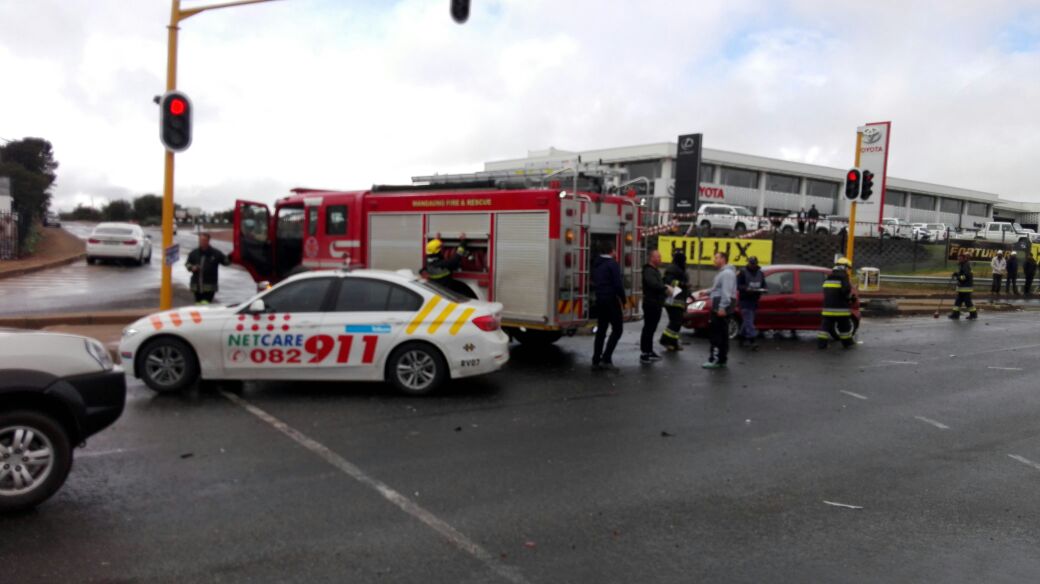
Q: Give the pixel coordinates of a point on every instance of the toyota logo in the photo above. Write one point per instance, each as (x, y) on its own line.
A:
(871, 135)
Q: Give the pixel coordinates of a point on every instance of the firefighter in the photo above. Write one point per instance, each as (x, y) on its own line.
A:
(442, 270)
(837, 307)
(677, 280)
(203, 263)
(965, 286)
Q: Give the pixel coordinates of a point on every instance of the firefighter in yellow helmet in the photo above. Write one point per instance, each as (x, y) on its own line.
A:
(837, 307)
(440, 269)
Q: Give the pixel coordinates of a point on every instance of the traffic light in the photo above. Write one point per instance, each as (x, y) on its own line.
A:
(175, 121)
(852, 184)
(867, 188)
(460, 10)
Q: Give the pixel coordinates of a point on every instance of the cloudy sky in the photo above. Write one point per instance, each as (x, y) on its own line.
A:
(347, 93)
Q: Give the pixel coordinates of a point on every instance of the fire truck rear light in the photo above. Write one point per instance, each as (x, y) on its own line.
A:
(569, 236)
(487, 323)
(567, 260)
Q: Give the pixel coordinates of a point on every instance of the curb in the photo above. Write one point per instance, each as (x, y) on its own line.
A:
(40, 267)
(39, 322)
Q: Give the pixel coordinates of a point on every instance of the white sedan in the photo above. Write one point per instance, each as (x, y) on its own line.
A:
(119, 241)
(364, 325)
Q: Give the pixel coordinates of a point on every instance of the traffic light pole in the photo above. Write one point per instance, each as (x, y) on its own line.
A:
(176, 16)
(850, 244)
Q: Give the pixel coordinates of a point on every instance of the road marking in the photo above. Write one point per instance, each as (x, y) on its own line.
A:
(901, 362)
(404, 503)
(855, 395)
(91, 454)
(1025, 460)
(938, 425)
(842, 505)
(1006, 368)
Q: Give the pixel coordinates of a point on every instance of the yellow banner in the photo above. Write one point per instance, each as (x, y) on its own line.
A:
(701, 250)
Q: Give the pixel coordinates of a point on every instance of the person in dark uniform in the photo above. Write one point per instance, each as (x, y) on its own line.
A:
(837, 307)
(801, 220)
(675, 304)
(441, 269)
(654, 294)
(814, 216)
(610, 302)
(1029, 269)
(965, 286)
(203, 263)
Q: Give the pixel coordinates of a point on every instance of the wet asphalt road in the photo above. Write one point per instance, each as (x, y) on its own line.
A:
(546, 472)
(80, 287)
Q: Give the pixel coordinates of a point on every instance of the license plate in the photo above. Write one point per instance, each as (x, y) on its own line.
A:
(111, 242)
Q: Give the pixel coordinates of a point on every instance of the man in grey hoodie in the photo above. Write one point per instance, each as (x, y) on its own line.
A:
(723, 295)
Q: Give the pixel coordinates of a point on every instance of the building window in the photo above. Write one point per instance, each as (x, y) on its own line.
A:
(782, 183)
(895, 198)
(707, 173)
(821, 188)
(922, 202)
(651, 170)
(978, 209)
(950, 206)
(738, 177)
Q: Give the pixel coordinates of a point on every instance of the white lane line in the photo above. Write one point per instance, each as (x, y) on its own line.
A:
(404, 503)
(938, 425)
(901, 362)
(93, 453)
(1006, 368)
(855, 395)
(842, 505)
(1025, 460)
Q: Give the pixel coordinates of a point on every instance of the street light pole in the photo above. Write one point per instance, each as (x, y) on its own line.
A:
(176, 16)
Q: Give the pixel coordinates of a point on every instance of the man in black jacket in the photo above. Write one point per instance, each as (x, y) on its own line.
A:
(814, 216)
(1029, 269)
(1011, 287)
(610, 302)
(203, 263)
(654, 293)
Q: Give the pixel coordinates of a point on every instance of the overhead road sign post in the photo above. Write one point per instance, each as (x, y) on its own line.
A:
(687, 173)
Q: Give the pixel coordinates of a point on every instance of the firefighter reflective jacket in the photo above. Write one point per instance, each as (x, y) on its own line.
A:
(438, 267)
(965, 279)
(837, 294)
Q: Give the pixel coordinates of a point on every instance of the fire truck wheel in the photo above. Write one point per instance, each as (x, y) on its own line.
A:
(535, 338)
(416, 368)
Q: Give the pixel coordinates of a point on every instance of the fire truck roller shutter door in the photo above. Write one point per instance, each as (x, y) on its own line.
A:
(395, 241)
(523, 269)
(451, 225)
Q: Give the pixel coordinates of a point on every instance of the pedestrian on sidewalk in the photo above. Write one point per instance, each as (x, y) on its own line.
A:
(610, 302)
(814, 216)
(801, 220)
(203, 263)
(1029, 269)
(723, 296)
(999, 267)
(654, 294)
(751, 283)
(1012, 273)
(675, 304)
(965, 286)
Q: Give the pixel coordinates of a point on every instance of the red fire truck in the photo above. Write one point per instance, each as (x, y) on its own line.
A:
(531, 249)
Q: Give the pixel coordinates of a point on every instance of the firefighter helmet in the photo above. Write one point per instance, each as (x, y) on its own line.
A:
(843, 263)
(434, 246)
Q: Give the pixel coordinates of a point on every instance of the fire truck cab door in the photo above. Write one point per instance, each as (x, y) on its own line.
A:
(253, 237)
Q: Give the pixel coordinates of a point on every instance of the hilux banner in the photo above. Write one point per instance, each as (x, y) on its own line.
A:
(985, 251)
(701, 250)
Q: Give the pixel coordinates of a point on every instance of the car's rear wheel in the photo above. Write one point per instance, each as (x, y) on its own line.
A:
(733, 326)
(416, 369)
(740, 228)
(822, 231)
(168, 364)
(35, 458)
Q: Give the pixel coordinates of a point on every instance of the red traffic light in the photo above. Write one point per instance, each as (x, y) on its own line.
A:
(853, 176)
(178, 106)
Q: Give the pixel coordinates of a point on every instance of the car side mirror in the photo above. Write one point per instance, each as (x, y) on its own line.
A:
(258, 306)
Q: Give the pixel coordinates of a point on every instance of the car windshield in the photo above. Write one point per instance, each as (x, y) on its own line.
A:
(444, 291)
(113, 231)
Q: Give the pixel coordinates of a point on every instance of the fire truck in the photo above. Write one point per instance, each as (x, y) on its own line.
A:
(529, 248)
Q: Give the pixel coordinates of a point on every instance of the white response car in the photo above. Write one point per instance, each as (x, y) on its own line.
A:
(364, 325)
(119, 241)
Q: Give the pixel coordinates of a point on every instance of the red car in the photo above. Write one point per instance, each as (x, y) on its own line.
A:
(793, 301)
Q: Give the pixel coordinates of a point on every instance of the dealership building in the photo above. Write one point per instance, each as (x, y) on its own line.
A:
(767, 186)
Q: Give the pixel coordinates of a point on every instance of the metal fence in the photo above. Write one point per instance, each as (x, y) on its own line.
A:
(11, 236)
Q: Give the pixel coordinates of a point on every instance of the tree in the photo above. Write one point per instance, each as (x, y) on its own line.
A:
(118, 210)
(31, 167)
(148, 209)
(81, 213)
(228, 215)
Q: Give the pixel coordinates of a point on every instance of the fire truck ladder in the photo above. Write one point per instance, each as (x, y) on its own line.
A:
(581, 297)
(637, 259)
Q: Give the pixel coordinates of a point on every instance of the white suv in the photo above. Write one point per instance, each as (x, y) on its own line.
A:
(731, 217)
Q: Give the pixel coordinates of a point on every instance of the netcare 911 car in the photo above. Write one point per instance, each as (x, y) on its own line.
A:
(364, 325)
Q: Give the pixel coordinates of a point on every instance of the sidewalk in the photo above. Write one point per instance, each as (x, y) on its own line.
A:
(56, 248)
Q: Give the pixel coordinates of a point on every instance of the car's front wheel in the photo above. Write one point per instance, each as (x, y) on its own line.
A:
(740, 228)
(787, 230)
(168, 364)
(416, 369)
(733, 326)
(35, 458)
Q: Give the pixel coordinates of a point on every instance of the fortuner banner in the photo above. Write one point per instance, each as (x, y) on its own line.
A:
(985, 251)
(701, 250)
(873, 156)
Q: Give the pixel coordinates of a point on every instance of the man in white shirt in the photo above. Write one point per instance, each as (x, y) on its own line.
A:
(999, 265)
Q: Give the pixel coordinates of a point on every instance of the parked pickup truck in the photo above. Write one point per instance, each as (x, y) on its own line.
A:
(1005, 231)
(896, 228)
